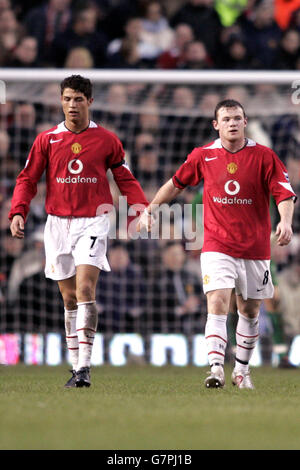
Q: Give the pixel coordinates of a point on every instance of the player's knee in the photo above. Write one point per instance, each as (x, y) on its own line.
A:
(217, 305)
(70, 301)
(85, 292)
(249, 308)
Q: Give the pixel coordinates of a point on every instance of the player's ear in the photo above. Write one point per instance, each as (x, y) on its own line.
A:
(215, 124)
(90, 100)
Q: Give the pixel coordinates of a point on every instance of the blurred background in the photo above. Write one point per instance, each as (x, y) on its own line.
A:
(151, 305)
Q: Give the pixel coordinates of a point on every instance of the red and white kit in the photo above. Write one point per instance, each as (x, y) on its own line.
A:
(78, 195)
(76, 166)
(237, 190)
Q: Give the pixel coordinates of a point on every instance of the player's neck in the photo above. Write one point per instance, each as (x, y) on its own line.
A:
(77, 126)
(233, 146)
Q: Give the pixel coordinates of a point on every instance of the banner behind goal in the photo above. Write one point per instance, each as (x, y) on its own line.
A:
(155, 285)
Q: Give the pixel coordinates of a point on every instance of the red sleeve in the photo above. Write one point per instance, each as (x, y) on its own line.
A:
(189, 174)
(125, 180)
(26, 184)
(278, 180)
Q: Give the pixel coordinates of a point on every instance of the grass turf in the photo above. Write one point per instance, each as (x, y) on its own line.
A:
(148, 408)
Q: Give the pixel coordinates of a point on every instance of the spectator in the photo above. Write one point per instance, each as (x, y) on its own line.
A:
(202, 17)
(180, 130)
(142, 140)
(127, 57)
(195, 57)
(262, 34)
(149, 170)
(289, 51)
(22, 132)
(46, 22)
(6, 115)
(173, 57)
(79, 58)
(82, 33)
(49, 109)
(9, 168)
(118, 16)
(5, 5)
(236, 56)
(229, 12)
(149, 120)
(284, 11)
(120, 313)
(294, 22)
(144, 51)
(114, 113)
(155, 28)
(34, 300)
(293, 167)
(183, 98)
(208, 101)
(239, 93)
(4, 144)
(266, 97)
(31, 261)
(11, 249)
(289, 292)
(25, 53)
(284, 133)
(179, 302)
(10, 33)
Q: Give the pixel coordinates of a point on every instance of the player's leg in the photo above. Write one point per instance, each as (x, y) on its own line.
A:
(60, 267)
(219, 272)
(87, 319)
(89, 254)
(254, 284)
(67, 289)
(218, 302)
(247, 335)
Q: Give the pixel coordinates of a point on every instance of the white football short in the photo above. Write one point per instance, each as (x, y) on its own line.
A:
(250, 278)
(70, 242)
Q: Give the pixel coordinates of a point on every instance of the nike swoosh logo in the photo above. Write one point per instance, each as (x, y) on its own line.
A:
(209, 159)
(53, 141)
(92, 256)
(258, 290)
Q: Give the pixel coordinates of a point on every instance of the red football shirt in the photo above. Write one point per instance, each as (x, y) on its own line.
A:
(236, 197)
(76, 167)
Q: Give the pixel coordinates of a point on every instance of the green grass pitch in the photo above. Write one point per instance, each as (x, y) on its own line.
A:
(145, 407)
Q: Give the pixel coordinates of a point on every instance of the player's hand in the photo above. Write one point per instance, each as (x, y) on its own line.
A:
(146, 221)
(284, 234)
(17, 226)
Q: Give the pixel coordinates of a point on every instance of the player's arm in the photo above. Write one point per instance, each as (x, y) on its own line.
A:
(284, 230)
(125, 180)
(165, 194)
(188, 174)
(26, 188)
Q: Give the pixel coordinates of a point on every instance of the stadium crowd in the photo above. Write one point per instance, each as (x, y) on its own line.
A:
(191, 34)
(158, 281)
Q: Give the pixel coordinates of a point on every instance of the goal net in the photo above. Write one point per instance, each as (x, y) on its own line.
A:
(154, 288)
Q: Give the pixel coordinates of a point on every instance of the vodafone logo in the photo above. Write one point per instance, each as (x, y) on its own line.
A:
(75, 166)
(232, 187)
